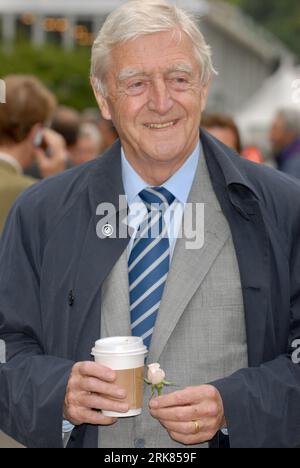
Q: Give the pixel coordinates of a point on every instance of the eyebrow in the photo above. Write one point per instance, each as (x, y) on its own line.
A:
(181, 67)
(131, 72)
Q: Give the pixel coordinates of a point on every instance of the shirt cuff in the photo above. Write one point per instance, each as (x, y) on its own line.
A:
(67, 427)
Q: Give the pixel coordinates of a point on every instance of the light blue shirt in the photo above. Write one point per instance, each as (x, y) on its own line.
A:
(179, 185)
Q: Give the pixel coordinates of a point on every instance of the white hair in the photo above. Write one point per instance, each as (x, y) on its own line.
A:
(138, 18)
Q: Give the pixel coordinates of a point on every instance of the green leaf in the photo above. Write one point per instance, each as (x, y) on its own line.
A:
(66, 73)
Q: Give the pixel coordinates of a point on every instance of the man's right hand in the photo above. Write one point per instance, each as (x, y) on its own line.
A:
(89, 390)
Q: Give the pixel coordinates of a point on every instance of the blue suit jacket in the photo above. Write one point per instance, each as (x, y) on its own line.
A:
(52, 265)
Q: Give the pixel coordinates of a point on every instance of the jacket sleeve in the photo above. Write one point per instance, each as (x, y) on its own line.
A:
(262, 405)
(32, 384)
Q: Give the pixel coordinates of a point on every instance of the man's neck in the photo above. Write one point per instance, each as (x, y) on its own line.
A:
(155, 172)
(16, 152)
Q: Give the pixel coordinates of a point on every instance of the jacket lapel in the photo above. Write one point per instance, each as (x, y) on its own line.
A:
(241, 205)
(189, 267)
(99, 255)
(115, 301)
(252, 246)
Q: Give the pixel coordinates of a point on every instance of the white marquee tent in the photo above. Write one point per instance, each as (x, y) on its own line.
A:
(281, 90)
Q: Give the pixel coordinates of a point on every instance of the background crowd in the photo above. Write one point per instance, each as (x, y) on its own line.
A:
(39, 138)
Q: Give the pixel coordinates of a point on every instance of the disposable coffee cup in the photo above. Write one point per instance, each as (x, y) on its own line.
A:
(126, 356)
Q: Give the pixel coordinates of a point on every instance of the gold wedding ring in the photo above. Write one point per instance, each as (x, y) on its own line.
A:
(197, 427)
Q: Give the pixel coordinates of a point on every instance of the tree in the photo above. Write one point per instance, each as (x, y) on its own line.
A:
(281, 17)
(66, 74)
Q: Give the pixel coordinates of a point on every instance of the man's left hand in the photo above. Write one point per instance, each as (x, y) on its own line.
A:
(191, 416)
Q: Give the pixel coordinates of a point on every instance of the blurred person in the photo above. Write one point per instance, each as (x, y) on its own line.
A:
(91, 115)
(221, 316)
(106, 127)
(285, 141)
(88, 144)
(29, 105)
(109, 134)
(254, 154)
(66, 122)
(223, 127)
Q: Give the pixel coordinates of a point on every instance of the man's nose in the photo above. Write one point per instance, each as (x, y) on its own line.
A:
(160, 99)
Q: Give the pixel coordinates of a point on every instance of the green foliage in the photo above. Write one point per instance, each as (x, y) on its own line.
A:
(282, 17)
(66, 74)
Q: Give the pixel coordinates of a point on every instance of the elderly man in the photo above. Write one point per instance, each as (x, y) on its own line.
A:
(285, 141)
(222, 316)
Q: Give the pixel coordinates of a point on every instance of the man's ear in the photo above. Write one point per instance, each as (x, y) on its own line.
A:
(204, 95)
(101, 100)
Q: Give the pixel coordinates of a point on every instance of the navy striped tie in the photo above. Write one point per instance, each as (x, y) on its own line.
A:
(149, 263)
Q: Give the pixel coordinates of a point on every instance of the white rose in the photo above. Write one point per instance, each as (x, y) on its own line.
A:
(155, 374)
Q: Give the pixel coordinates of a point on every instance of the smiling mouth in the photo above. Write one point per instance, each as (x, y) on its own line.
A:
(160, 126)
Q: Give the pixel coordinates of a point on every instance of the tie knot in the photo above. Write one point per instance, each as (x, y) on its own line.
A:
(158, 196)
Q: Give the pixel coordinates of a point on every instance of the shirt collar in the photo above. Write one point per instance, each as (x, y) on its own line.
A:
(12, 162)
(133, 183)
(179, 184)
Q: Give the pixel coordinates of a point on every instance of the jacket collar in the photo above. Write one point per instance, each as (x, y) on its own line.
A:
(229, 162)
(106, 178)
(105, 183)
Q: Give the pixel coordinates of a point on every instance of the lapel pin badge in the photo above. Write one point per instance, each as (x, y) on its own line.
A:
(107, 230)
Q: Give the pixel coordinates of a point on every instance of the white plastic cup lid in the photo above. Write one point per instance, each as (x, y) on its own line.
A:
(129, 345)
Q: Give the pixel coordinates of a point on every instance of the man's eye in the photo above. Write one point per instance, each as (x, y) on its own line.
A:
(135, 87)
(179, 83)
(136, 84)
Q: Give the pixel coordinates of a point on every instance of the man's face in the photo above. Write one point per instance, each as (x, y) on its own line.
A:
(155, 98)
(279, 135)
